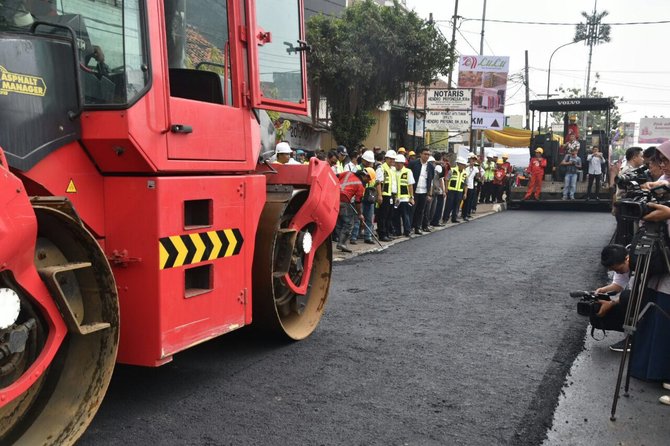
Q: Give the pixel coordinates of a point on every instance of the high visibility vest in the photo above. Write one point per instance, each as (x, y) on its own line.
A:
(389, 178)
(489, 169)
(403, 183)
(346, 180)
(457, 179)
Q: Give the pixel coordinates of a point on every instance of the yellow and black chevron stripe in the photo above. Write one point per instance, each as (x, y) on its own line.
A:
(188, 249)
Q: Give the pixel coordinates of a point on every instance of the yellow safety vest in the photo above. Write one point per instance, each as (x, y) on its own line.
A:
(457, 180)
(388, 180)
(403, 183)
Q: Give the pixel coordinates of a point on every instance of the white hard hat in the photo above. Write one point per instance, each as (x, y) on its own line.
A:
(431, 158)
(391, 154)
(400, 159)
(461, 160)
(283, 147)
(368, 156)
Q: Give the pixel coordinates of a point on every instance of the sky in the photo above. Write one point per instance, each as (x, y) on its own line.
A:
(634, 65)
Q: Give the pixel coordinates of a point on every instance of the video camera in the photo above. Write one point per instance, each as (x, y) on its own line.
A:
(633, 205)
(588, 304)
(632, 179)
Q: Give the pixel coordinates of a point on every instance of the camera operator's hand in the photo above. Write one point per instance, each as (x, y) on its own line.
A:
(652, 184)
(605, 306)
(659, 212)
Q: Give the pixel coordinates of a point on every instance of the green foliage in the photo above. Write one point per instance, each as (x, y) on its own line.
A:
(594, 119)
(367, 57)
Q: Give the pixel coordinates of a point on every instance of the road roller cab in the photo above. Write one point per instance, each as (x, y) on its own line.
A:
(137, 215)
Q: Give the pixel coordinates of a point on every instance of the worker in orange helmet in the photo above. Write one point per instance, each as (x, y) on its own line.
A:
(536, 168)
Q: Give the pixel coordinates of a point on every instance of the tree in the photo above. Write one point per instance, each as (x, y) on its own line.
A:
(370, 55)
(594, 119)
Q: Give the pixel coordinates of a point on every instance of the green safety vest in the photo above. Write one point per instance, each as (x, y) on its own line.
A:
(489, 170)
(388, 180)
(403, 183)
(457, 180)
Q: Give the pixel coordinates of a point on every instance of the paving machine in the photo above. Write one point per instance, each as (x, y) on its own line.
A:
(552, 185)
(137, 215)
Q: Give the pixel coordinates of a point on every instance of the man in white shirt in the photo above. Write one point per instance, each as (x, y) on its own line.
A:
(595, 159)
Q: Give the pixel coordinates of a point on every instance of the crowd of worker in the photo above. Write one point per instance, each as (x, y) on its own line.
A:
(389, 194)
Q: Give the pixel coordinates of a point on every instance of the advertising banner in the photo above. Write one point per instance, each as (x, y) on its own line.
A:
(449, 99)
(654, 130)
(487, 75)
(411, 126)
(452, 121)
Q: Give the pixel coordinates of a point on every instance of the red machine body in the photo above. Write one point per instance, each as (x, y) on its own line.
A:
(153, 222)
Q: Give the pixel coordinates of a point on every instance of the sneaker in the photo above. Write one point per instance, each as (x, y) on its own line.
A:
(353, 242)
(618, 347)
(343, 248)
(665, 399)
(666, 386)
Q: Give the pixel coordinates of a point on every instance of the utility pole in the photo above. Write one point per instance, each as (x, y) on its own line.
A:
(452, 46)
(592, 33)
(481, 53)
(527, 94)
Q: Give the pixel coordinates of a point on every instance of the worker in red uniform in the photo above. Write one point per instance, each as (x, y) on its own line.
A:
(507, 186)
(352, 188)
(573, 128)
(536, 168)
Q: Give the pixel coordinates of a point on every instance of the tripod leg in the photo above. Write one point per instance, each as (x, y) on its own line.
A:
(617, 389)
(630, 322)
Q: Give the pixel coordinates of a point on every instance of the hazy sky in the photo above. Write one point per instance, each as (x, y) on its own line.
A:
(635, 64)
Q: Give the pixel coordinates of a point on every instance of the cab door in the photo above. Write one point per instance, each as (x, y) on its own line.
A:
(206, 121)
(277, 55)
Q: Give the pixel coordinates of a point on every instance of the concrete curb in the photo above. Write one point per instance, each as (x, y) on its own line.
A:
(483, 210)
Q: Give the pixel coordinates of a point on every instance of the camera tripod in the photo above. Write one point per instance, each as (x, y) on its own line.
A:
(651, 241)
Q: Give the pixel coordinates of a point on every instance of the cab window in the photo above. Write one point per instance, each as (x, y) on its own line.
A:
(198, 50)
(279, 55)
(109, 39)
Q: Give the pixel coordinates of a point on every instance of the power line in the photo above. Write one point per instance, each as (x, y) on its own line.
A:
(466, 41)
(519, 22)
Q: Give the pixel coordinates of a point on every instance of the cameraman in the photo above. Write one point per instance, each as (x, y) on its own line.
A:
(613, 312)
(625, 228)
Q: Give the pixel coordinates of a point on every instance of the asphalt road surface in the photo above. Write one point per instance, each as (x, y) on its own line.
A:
(459, 337)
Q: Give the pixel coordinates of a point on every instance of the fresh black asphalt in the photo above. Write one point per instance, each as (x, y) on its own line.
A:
(459, 337)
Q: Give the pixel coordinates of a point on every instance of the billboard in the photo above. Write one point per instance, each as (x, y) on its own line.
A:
(487, 75)
(452, 121)
(449, 99)
(654, 130)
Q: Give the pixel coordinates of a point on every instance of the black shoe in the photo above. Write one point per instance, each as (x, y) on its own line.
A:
(369, 242)
(408, 235)
(455, 220)
(438, 225)
(385, 239)
(426, 229)
(343, 248)
(466, 219)
(353, 242)
(618, 347)
(418, 232)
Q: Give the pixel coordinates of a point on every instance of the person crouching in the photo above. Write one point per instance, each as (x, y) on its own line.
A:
(352, 188)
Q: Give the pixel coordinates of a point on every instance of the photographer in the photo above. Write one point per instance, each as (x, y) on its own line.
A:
(612, 312)
(626, 228)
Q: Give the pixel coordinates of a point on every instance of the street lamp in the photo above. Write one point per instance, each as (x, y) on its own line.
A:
(546, 118)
